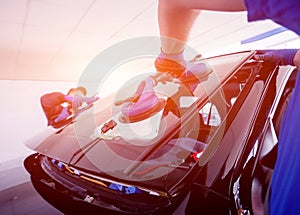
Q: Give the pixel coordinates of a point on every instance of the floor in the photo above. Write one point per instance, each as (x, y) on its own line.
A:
(24, 200)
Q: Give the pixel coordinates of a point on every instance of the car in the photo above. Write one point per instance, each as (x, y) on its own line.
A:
(208, 145)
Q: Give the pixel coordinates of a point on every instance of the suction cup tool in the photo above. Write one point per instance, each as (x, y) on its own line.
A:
(145, 114)
(144, 104)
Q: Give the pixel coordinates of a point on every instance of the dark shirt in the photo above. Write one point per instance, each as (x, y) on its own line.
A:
(283, 12)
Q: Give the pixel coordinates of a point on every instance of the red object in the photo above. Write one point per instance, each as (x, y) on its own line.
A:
(107, 126)
(196, 154)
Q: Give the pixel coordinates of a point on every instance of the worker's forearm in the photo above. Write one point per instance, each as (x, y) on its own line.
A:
(297, 58)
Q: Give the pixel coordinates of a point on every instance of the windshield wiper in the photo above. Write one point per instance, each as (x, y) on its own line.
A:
(84, 149)
(105, 128)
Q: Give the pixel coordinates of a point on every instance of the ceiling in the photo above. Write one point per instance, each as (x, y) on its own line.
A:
(56, 39)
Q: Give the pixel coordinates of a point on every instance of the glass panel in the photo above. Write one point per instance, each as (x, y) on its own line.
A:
(190, 114)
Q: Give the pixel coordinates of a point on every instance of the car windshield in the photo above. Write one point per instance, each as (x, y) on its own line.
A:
(177, 101)
(170, 134)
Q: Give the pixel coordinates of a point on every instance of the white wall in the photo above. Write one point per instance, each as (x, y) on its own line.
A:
(21, 117)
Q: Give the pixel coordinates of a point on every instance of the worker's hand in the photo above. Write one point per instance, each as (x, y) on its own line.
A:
(77, 102)
(90, 100)
(162, 77)
(279, 56)
(130, 99)
(63, 115)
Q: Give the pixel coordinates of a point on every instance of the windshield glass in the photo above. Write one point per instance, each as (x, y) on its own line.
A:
(164, 106)
(144, 136)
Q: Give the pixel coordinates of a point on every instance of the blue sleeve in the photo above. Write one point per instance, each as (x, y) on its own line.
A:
(283, 12)
(285, 186)
(257, 9)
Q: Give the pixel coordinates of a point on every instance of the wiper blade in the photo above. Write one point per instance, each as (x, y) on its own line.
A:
(148, 152)
(84, 149)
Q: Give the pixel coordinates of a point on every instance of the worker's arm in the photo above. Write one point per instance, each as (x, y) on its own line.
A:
(76, 101)
(280, 56)
(297, 58)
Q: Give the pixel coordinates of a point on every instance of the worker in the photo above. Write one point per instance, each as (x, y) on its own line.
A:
(176, 19)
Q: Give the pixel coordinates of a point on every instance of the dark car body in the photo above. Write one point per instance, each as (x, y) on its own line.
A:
(212, 150)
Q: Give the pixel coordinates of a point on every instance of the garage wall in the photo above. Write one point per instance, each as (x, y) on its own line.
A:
(21, 117)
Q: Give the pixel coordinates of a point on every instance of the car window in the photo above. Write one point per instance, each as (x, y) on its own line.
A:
(199, 120)
(286, 94)
(215, 111)
(210, 115)
(269, 149)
